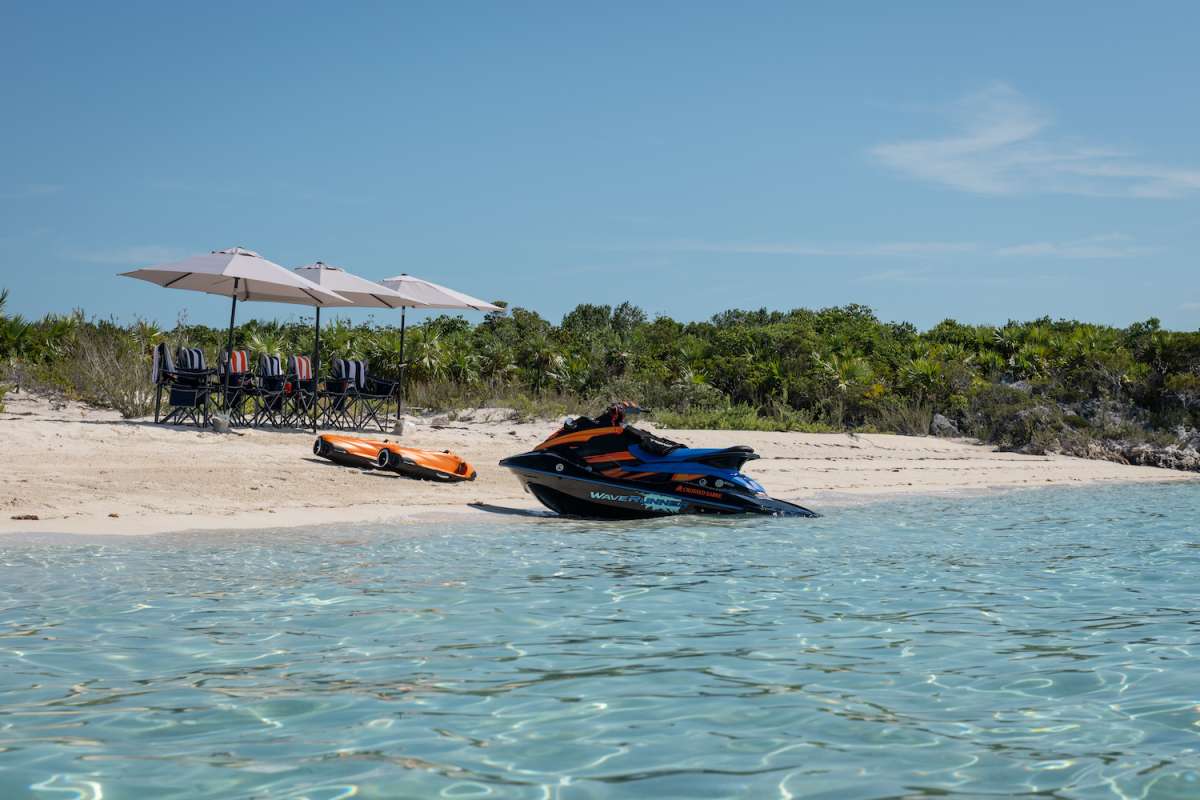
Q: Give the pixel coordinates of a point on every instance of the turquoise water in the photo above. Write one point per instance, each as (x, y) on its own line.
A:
(1041, 643)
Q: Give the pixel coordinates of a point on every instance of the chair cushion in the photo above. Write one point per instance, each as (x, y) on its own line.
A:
(191, 358)
(300, 367)
(238, 362)
(270, 366)
(162, 363)
(352, 370)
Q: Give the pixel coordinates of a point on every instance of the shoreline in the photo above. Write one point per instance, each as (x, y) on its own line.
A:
(75, 467)
(406, 520)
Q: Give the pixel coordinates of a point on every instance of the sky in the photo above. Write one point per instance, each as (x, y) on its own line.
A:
(930, 160)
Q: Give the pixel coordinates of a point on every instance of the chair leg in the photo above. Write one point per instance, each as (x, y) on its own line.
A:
(369, 413)
(299, 412)
(261, 403)
(201, 408)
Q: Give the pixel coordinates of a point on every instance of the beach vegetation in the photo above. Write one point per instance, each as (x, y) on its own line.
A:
(1037, 385)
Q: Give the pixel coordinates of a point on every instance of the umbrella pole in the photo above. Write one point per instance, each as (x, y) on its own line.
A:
(316, 366)
(229, 343)
(403, 375)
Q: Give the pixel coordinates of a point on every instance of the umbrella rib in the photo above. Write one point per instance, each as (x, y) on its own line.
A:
(173, 281)
(382, 300)
(316, 299)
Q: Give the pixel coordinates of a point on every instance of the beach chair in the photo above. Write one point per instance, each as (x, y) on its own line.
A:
(187, 383)
(353, 397)
(375, 397)
(270, 392)
(240, 385)
(300, 392)
(336, 397)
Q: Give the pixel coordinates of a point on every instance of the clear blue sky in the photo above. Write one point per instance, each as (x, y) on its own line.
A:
(927, 159)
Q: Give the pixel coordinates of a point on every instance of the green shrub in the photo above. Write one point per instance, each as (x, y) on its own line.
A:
(993, 410)
(107, 367)
(1077, 422)
(903, 415)
(740, 417)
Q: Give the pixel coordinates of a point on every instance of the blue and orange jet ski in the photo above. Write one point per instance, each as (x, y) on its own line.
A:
(603, 468)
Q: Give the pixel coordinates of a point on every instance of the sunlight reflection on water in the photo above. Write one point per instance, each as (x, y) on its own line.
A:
(1036, 642)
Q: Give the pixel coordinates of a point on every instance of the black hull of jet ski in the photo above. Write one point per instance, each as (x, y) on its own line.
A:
(570, 489)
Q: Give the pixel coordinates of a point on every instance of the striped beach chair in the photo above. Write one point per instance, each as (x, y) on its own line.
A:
(338, 395)
(270, 391)
(240, 386)
(354, 398)
(301, 391)
(186, 381)
(376, 397)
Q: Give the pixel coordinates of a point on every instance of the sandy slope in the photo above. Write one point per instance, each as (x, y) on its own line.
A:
(82, 470)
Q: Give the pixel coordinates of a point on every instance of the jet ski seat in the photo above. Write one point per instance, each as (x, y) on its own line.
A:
(723, 458)
(707, 453)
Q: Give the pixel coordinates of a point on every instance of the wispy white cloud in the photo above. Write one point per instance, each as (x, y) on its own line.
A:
(310, 193)
(919, 275)
(845, 249)
(1097, 247)
(1003, 146)
(139, 255)
(29, 191)
(952, 277)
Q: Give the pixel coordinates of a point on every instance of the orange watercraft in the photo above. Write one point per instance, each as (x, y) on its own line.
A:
(370, 453)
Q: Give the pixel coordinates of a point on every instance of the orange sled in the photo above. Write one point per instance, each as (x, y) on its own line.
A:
(369, 453)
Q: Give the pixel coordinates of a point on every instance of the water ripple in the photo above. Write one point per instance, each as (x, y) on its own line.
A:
(1038, 643)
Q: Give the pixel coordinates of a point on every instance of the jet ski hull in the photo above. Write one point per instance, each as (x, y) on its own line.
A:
(567, 488)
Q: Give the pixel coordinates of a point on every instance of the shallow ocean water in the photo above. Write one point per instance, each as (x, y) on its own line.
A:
(1042, 643)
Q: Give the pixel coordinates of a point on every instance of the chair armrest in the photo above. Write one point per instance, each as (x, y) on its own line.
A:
(382, 386)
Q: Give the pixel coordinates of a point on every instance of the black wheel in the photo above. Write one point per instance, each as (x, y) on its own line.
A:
(319, 447)
(384, 459)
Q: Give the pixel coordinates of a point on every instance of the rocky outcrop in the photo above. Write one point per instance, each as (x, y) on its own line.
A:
(1097, 430)
(1147, 455)
(1187, 437)
(943, 426)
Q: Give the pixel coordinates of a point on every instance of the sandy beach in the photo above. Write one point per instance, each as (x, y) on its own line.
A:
(85, 470)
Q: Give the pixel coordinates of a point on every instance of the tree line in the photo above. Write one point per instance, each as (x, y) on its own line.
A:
(1038, 384)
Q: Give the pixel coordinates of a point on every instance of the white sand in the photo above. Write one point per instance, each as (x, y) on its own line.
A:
(84, 470)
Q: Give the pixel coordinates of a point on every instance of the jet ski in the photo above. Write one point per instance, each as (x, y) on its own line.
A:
(604, 468)
(428, 465)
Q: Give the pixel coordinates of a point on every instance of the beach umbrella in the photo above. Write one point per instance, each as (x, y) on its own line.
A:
(357, 292)
(426, 294)
(238, 274)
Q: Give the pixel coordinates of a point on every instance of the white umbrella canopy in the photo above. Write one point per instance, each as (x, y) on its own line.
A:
(359, 291)
(430, 295)
(427, 294)
(241, 274)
